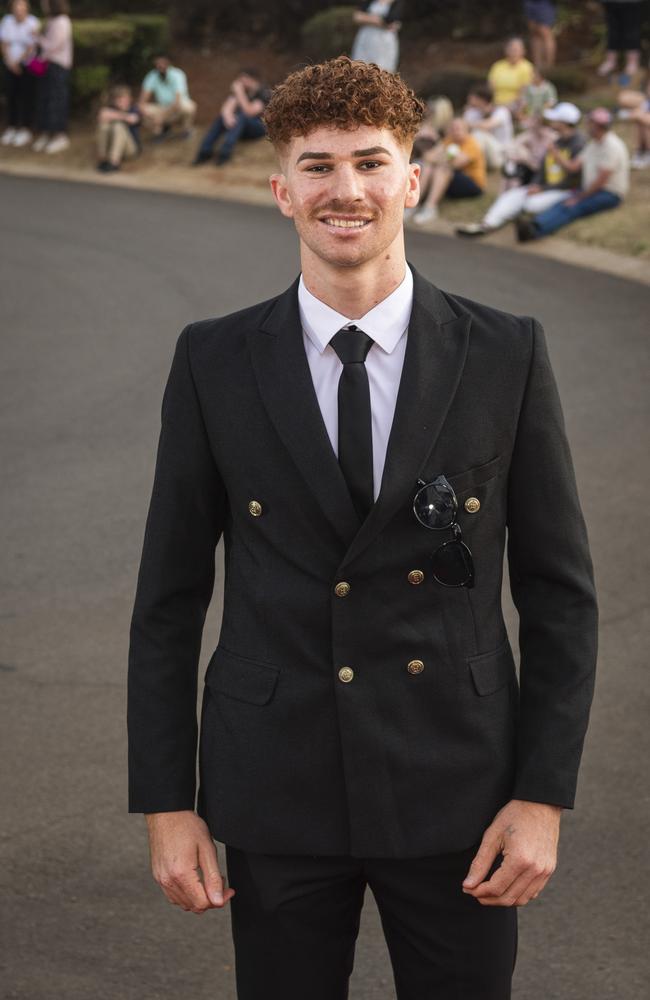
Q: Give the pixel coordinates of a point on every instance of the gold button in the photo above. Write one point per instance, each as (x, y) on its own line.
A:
(346, 674)
(472, 505)
(342, 589)
(255, 508)
(416, 576)
(415, 667)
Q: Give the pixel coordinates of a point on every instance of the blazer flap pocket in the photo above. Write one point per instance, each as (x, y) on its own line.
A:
(240, 678)
(490, 671)
(477, 476)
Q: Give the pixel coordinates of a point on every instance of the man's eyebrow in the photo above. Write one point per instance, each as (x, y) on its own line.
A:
(373, 151)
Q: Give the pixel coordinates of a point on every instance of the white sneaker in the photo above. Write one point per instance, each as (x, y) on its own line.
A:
(8, 136)
(22, 137)
(40, 144)
(426, 214)
(640, 160)
(57, 145)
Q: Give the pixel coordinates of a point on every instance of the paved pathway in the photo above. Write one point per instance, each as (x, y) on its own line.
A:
(94, 287)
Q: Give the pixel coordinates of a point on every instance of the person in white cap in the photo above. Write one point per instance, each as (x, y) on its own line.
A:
(605, 165)
(552, 184)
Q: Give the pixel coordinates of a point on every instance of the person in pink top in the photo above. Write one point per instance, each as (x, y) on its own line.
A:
(54, 45)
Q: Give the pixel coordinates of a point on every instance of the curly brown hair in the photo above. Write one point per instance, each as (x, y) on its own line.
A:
(344, 94)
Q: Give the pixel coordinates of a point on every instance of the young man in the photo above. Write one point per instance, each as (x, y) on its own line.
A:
(164, 99)
(605, 166)
(240, 117)
(361, 441)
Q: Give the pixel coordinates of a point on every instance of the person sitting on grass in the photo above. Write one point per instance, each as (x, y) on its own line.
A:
(118, 130)
(551, 183)
(605, 165)
(165, 101)
(490, 124)
(455, 169)
(240, 117)
(535, 98)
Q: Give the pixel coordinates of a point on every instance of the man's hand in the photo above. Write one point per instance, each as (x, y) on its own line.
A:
(526, 833)
(184, 861)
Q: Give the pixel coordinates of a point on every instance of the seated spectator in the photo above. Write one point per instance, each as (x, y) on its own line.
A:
(526, 152)
(605, 168)
(535, 97)
(240, 117)
(455, 169)
(507, 76)
(490, 124)
(551, 184)
(18, 32)
(164, 99)
(634, 106)
(118, 130)
(541, 16)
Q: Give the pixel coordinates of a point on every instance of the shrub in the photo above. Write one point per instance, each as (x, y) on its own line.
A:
(150, 37)
(106, 40)
(328, 34)
(88, 82)
(453, 82)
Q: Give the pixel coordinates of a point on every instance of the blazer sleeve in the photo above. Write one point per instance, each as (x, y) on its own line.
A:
(173, 592)
(552, 585)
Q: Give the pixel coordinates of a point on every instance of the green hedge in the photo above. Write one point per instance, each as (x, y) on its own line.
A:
(328, 34)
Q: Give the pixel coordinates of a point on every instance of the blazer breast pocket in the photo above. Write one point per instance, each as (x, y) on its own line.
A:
(237, 677)
(479, 475)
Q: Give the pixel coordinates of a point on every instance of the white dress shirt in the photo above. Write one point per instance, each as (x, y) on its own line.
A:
(387, 324)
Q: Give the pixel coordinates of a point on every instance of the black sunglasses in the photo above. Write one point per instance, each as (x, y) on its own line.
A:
(436, 507)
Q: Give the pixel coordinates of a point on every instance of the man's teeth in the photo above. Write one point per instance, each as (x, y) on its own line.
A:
(346, 223)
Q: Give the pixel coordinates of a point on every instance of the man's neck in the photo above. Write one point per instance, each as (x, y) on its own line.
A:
(353, 291)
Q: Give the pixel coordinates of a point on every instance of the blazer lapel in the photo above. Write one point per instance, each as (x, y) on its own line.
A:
(433, 364)
(285, 384)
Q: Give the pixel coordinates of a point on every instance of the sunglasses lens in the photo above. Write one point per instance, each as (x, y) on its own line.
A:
(435, 504)
(453, 565)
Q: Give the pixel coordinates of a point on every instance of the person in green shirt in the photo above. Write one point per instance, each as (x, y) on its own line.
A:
(165, 100)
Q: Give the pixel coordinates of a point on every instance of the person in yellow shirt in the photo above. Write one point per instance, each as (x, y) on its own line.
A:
(507, 76)
(453, 169)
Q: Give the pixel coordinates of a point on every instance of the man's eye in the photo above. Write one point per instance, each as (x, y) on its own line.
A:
(371, 163)
(318, 168)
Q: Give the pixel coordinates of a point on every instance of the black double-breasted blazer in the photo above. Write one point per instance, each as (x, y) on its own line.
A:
(396, 762)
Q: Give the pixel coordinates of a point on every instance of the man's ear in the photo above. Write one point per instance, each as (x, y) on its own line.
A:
(413, 190)
(281, 194)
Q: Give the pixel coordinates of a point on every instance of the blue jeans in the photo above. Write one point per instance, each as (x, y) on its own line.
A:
(246, 127)
(562, 214)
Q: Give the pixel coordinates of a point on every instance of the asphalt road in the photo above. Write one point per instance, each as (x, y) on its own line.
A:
(95, 285)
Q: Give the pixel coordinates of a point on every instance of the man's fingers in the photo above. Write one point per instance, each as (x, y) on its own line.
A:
(533, 890)
(510, 869)
(483, 860)
(509, 894)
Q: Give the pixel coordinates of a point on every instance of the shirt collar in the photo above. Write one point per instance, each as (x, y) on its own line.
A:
(386, 322)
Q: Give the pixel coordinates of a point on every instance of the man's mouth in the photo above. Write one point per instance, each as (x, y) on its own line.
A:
(349, 223)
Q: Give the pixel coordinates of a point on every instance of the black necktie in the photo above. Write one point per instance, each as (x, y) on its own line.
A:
(355, 422)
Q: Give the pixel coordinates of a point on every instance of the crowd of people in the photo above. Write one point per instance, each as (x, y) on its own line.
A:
(551, 168)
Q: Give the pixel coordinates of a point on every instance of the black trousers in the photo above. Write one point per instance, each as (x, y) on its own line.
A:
(21, 92)
(53, 99)
(295, 921)
(623, 26)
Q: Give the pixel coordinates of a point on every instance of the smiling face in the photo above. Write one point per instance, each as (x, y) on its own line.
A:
(346, 191)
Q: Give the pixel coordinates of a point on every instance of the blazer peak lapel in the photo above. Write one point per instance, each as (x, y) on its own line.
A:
(285, 384)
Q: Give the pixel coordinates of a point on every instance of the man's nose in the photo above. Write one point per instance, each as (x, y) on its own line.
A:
(347, 183)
